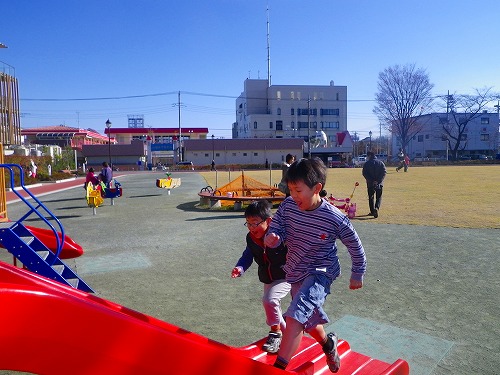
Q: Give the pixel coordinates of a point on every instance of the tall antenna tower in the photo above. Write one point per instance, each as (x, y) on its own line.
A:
(268, 51)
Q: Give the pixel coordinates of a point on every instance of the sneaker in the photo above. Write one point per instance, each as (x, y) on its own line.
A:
(272, 345)
(375, 213)
(332, 357)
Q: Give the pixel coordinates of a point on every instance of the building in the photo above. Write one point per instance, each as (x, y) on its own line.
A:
(10, 124)
(479, 138)
(130, 156)
(63, 136)
(315, 114)
(241, 151)
(164, 142)
(290, 111)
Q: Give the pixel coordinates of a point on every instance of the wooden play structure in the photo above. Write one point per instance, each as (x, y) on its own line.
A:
(240, 190)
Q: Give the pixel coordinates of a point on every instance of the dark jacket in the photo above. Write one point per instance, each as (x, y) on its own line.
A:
(270, 261)
(374, 170)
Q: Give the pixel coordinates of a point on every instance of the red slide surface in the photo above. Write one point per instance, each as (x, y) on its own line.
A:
(48, 328)
(70, 248)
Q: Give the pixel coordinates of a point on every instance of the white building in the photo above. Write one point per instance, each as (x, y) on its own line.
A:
(241, 151)
(291, 111)
(480, 137)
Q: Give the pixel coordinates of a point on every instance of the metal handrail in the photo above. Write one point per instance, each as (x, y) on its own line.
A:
(59, 241)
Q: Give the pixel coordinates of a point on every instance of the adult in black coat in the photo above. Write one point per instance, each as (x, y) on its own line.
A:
(374, 172)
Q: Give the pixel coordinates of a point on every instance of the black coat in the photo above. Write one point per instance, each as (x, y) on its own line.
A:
(270, 261)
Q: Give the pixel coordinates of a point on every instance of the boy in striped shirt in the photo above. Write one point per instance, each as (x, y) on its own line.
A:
(309, 226)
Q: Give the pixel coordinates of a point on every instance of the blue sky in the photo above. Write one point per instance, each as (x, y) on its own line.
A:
(206, 49)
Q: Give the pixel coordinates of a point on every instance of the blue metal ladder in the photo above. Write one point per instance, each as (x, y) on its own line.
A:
(28, 249)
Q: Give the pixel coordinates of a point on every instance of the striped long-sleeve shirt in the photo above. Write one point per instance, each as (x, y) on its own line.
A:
(310, 237)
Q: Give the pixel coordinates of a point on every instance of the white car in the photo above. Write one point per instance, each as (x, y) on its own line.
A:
(359, 161)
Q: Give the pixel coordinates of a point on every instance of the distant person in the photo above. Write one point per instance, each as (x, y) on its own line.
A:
(310, 226)
(266, 165)
(213, 165)
(374, 172)
(407, 163)
(401, 158)
(91, 178)
(270, 270)
(283, 186)
(106, 174)
(32, 170)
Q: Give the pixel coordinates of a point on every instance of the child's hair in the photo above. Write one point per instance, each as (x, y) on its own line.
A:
(261, 209)
(91, 169)
(310, 171)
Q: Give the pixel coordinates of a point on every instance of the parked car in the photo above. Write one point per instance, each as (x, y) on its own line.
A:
(359, 161)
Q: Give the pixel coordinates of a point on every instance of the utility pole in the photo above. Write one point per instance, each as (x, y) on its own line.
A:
(309, 126)
(180, 130)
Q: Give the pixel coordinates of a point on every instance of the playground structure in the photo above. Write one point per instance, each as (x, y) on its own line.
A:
(168, 183)
(107, 338)
(39, 250)
(96, 194)
(346, 204)
(242, 189)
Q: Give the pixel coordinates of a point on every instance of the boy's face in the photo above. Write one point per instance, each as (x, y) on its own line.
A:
(305, 197)
(257, 226)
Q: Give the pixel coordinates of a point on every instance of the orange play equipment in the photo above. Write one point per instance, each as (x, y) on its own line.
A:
(49, 328)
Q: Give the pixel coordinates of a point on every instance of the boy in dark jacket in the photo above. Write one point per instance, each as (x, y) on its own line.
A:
(270, 269)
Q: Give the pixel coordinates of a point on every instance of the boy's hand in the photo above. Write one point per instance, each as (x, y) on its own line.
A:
(355, 284)
(272, 240)
(236, 272)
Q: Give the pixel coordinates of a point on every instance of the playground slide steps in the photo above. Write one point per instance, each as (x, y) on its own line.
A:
(33, 254)
(310, 359)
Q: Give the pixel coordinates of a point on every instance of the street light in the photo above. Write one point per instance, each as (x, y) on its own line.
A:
(108, 126)
(370, 134)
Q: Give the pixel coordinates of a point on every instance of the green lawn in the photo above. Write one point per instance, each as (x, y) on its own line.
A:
(446, 196)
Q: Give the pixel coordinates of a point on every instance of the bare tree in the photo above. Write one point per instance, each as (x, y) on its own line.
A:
(404, 93)
(462, 109)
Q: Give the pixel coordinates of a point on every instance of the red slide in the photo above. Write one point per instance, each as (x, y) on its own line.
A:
(48, 328)
(70, 248)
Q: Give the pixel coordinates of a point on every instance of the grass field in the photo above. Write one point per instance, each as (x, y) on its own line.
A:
(447, 196)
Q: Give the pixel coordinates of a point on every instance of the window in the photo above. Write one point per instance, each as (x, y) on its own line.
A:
(292, 111)
(270, 124)
(302, 124)
(234, 154)
(244, 154)
(255, 124)
(206, 155)
(427, 136)
(292, 125)
(217, 154)
(278, 111)
(255, 154)
(329, 112)
(279, 125)
(330, 124)
(292, 96)
(484, 137)
(304, 111)
(485, 120)
(278, 95)
(420, 138)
